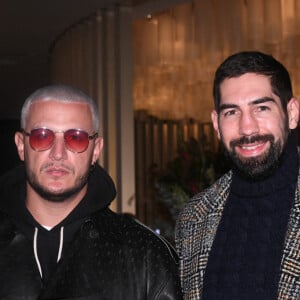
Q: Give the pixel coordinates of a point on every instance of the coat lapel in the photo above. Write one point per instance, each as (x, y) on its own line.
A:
(289, 283)
(196, 230)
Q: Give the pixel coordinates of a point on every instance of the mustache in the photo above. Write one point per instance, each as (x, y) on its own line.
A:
(251, 139)
(53, 165)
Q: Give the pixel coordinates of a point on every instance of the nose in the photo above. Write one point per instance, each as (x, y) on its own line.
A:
(248, 125)
(58, 150)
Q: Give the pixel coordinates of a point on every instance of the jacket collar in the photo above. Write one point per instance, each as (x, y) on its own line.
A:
(289, 283)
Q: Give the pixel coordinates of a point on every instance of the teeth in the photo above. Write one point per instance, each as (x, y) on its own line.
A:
(249, 147)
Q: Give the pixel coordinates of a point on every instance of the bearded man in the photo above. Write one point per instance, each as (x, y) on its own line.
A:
(58, 237)
(240, 238)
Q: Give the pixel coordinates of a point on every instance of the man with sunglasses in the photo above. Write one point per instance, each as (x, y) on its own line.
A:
(58, 237)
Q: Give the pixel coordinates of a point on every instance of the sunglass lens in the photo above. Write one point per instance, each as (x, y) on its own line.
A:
(41, 139)
(76, 140)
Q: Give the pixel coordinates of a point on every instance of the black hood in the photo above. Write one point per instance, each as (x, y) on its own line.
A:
(49, 244)
(101, 192)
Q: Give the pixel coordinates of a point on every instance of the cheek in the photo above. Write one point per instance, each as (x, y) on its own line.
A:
(29, 157)
(279, 127)
(82, 163)
(33, 160)
(226, 134)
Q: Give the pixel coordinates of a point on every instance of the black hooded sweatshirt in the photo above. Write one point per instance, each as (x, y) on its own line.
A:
(50, 245)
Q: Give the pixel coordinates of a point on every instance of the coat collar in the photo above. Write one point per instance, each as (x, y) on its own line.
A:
(289, 283)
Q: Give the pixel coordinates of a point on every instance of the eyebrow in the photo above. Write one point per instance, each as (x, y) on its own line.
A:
(254, 102)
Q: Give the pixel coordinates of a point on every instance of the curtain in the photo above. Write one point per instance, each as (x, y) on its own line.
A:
(177, 51)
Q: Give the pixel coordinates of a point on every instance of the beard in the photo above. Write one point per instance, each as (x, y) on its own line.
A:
(56, 196)
(262, 166)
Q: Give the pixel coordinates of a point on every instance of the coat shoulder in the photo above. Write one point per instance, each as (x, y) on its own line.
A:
(129, 232)
(206, 201)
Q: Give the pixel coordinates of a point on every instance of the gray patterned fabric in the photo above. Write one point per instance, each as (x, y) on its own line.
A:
(195, 231)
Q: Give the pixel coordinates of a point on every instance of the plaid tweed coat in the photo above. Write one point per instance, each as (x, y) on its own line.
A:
(195, 231)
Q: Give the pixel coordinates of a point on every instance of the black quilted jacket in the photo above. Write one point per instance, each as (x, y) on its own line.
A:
(109, 256)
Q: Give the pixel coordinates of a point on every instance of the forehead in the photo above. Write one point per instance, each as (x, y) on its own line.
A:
(247, 87)
(59, 115)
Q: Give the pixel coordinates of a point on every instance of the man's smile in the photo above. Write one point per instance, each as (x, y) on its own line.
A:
(253, 149)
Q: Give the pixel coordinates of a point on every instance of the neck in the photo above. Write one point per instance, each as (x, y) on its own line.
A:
(50, 213)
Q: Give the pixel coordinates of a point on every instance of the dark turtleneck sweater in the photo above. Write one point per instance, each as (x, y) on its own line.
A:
(244, 261)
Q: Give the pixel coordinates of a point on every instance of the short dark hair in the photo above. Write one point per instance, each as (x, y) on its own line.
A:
(258, 63)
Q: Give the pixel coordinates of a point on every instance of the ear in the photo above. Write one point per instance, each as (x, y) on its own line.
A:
(19, 141)
(215, 121)
(293, 113)
(97, 149)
